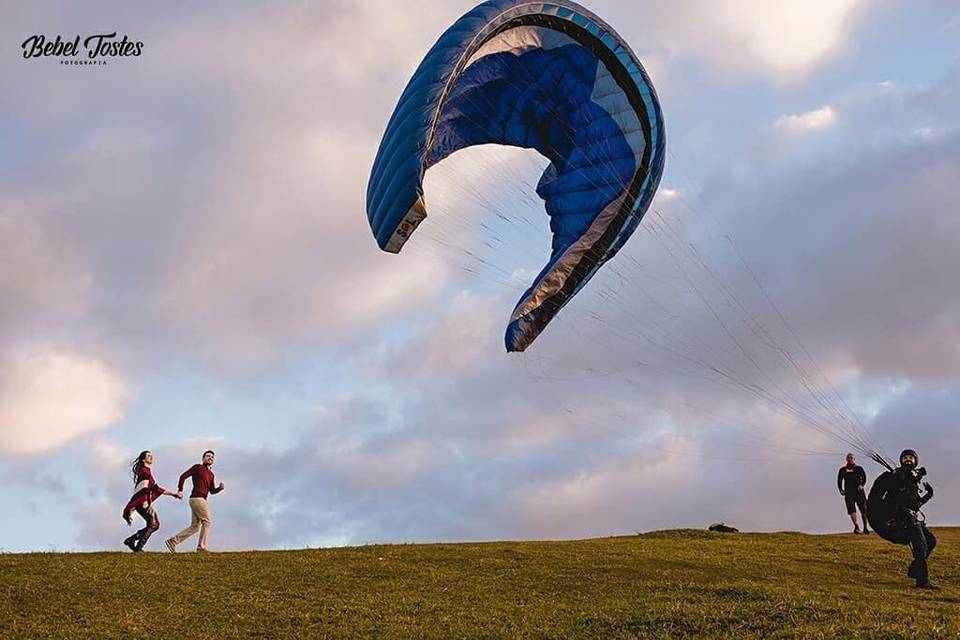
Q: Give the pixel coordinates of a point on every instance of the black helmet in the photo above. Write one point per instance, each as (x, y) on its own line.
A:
(910, 452)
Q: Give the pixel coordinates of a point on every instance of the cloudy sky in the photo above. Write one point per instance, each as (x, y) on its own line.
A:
(185, 263)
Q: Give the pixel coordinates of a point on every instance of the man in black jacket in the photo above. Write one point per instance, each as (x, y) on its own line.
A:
(851, 480)
(894, 505)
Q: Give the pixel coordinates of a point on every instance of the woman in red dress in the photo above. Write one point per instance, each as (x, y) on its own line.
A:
(146, 490)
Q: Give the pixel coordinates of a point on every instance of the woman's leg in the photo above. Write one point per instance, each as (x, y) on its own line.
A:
(149, 514)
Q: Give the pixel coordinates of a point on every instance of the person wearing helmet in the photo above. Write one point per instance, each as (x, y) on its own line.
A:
(851, 480)
(894, 510)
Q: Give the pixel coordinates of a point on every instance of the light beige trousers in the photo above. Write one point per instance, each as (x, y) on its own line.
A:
(199, 521)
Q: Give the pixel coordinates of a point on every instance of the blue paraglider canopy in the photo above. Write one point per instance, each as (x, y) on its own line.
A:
(549, 76)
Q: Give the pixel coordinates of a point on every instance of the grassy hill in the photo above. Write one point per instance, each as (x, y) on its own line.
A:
(676, 584)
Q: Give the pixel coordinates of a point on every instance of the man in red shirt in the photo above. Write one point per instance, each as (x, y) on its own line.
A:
(203, 484)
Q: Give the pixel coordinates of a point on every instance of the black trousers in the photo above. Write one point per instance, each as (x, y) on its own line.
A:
(922, 542)
(149, 515)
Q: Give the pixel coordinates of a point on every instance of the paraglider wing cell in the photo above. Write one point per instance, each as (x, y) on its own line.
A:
(548, 76)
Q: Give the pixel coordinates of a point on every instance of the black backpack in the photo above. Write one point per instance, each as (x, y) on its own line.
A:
(884, 512)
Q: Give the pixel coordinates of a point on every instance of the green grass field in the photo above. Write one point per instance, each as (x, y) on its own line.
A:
(677, 584)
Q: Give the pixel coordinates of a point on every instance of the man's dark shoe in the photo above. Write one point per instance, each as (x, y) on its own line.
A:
(131, 543)
(928, 585)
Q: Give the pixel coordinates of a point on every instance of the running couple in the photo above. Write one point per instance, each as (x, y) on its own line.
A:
(146, 491)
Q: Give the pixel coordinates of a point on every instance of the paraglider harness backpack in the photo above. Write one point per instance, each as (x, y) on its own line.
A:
(889, 516)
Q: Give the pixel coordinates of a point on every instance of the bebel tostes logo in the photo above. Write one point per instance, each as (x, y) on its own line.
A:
(98, 48)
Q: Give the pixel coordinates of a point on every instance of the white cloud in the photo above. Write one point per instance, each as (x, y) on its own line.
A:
(50, 398)
(203, 441)
(41, 279)
(463, 339)
(109, 454)
(110, 462)
(816, 120)
(784, 35)
(779, 39)
(666, 194)
(934, 134)
(573, 502)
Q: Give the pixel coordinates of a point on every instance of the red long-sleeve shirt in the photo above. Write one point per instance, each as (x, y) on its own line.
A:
(202, 481)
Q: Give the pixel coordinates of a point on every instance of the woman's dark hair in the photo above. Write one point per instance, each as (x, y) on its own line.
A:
(137, 465)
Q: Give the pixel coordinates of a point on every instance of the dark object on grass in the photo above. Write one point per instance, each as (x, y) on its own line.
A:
(721, 527)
